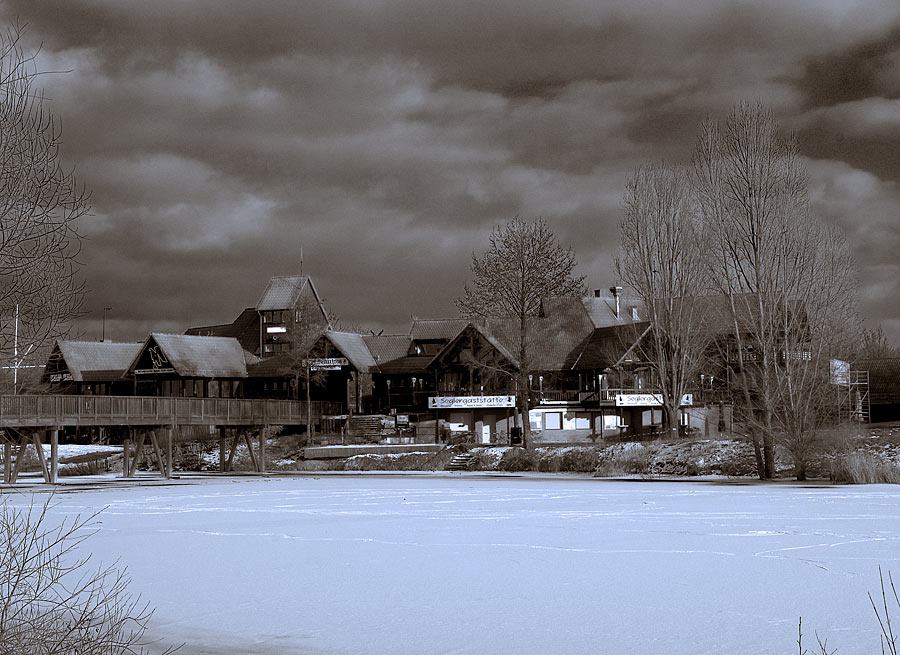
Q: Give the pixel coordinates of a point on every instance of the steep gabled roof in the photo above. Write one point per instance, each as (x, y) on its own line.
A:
(602, 309)
(282, 292)
(202, 357)
(387, 347)
(354, 348)
(93, 361)
(436, 329)
(486, 332)
(245, 329)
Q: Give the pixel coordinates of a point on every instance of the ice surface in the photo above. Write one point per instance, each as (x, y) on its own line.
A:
(486, 564)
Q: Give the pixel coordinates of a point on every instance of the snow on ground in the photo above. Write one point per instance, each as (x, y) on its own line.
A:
(77, 450)
(499, 564)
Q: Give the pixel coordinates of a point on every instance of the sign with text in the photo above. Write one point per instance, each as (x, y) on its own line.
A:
(648, 400)
(326, 363)
(470, 402)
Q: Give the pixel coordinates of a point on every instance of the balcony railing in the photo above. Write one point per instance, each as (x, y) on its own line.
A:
(61, 410)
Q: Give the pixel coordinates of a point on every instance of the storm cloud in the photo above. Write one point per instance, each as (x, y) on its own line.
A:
(388, 138)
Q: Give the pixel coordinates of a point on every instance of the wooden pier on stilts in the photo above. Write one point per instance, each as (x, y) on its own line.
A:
(150, 420)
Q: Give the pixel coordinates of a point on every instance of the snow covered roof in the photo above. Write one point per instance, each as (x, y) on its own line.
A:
(92, 361)
(194, 356)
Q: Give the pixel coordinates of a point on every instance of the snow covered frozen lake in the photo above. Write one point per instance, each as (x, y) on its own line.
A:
(382, 564)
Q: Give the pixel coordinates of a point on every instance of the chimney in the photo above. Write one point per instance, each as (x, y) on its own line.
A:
(615, 292)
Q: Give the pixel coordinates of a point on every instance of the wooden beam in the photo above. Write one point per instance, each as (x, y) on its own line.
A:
(54, 455)
(158, 453)
(234, 445)
(138, 453)
(23, 444)
(249, 443)
(222, 449)
(36, 440)
(263, 433)
(7, 460)
(126, 454)
(169, 430)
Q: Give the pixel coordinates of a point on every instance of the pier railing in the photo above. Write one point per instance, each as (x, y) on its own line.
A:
(62, 410)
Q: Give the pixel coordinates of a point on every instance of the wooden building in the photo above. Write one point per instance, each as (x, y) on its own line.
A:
(189, 366)
(90, 367)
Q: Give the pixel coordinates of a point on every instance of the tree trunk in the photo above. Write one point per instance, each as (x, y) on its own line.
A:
(769, 447)
(672, 421)
(800, 468)
(760, 462)
(524, 406)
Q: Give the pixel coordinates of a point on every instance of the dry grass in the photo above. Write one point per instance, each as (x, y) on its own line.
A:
(631, 459)
(860, 467)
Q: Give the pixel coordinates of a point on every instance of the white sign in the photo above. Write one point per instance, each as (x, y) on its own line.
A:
(276, 330)
(647, 399)
(327, 363)
(840, 372)
(470, 402)
(60, 377)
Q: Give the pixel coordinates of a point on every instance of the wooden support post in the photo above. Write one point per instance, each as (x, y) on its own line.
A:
(138, 453)
(222, 431)
(36, 440)
(249, 443)
(169, 430)
(234, 444)
(7, 461)
(23, 444)
(158, 453)
(54, 454)
(126, 458)
(263, 432)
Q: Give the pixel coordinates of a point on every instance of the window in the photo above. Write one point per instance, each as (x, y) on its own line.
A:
(582, 421)
(553, 420)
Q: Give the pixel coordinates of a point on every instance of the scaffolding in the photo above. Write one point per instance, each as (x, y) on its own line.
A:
(853, 397)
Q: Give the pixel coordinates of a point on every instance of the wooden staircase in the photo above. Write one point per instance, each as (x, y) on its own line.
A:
(460, 462)
(365, 428)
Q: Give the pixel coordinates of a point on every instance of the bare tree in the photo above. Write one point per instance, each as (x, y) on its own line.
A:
(787, 280)
(40, 204)
(661, 262)
(524, 262)
(51, 601)
(875, 345)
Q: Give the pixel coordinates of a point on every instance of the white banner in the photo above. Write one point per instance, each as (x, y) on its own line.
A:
(648, 400)
(470, 402)
(327, 363)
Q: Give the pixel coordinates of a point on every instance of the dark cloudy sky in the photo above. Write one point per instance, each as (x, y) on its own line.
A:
(388, 137)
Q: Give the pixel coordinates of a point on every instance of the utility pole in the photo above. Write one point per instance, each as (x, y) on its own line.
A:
(17, 361)
(103, 329)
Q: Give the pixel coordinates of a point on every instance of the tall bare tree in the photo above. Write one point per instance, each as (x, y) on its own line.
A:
(661, 261)
(524, 262)
(787, 278)
(40, 204)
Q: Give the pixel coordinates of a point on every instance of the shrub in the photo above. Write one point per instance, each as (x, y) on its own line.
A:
(572, 459)
(50, 602)
(860, 467)
(518, 459)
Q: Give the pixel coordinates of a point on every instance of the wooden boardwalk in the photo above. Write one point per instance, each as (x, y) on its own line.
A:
(154, 419)
(139, 411)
